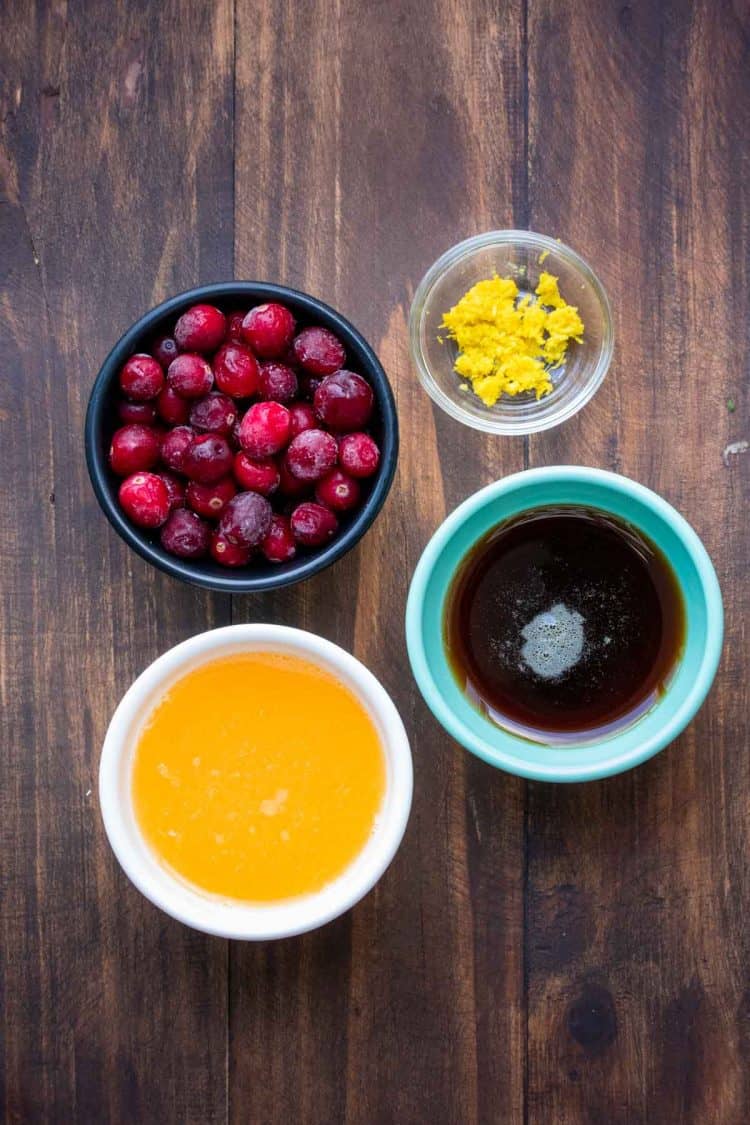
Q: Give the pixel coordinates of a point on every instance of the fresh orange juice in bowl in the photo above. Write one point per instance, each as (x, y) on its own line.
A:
(255, 781)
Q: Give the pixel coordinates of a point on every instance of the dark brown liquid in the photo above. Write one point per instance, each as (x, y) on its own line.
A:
(564, 622)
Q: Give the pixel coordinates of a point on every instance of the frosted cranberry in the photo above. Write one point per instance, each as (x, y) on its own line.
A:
(142, 412)
(277, 382)
(256, 475)
(312, 524)
(302, 417)
(265, 429)
(291, 486)
(208, 459)
(358, 455)
(210, 500)
(311, 455)
(174, 447)
(134, 447)
(344, 401)
(175, 490)
(141, 378)
(246, 519)
(190, 375)
(279, 545)
(216, 413)
(165, 350)
(201, 329)
(172, 408)
(268, 329)
(308, 385)
(338, 491)
(185, 534)
(236, 371)
(226, 553)
(319, 351)
(144, 498)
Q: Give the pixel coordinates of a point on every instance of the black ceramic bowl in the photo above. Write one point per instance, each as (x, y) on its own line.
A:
(101, 422)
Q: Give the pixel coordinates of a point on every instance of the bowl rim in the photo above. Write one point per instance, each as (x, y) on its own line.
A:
(305, 566)
(464, 249)
(618, 762)
(225, 918)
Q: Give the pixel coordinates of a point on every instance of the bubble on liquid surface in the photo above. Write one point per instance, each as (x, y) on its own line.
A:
(553, 641)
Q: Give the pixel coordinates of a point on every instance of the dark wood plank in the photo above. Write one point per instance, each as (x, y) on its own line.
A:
(636, 943)
(364, 163)
(115, 161)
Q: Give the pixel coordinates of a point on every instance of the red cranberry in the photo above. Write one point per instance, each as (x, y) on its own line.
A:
(142, 412)
(358, 455)
(278, 545)
(277, 382)
(226, 553)
(190, 375)
(312, 524)
(208, 459)
(268, 329)
(302, 417)
(141, 378)
(174, 447)
(172, 408)
(246, 519)
(144, 498)
(134, 448)
(175, 489)
(319, 351)
(290, 485)
(234, 327)
(216, 413)
(165, 350)
(265, 429)
(185, 534)
(236, 371)
(308, 385)
(256, 475)
(344, 401)
(311, 455)
(338, 491)
(201, 329)
(210, 500)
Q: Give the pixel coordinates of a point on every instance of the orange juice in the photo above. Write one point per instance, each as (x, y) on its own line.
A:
(258, 777)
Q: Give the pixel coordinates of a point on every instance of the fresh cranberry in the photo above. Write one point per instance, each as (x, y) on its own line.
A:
(185, 534)
(216, 413)
(144, 498)
(268, 329)
(278, 545)
(278, 383)
(226, 553)
(265, 429)
(319, 351)
(210, 500)
(312, 524)
(236, 371)
(234, 327)
(165, 350)
(134, 448)
(311, 455)
(174, 447)
(208, 459)
(289, 485)
(344, 401)
(201, 329)
(302, 417)
(256, 475)
(142, 412)
(359, 455)
(246, 519)
(338, 491)
(234, 437)
(172, 408)
(308, 385)
(175, 489)
(141, 378)
(190, 375)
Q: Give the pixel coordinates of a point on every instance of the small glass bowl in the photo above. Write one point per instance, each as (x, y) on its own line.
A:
(516, 254)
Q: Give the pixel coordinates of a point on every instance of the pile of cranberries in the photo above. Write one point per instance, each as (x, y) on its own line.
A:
(241, 437)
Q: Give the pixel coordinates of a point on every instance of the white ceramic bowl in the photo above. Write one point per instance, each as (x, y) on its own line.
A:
(223, 917)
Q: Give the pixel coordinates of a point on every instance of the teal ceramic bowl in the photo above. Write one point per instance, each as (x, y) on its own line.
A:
(610, 493)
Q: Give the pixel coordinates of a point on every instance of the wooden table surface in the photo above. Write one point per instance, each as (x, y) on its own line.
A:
(535, 954)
